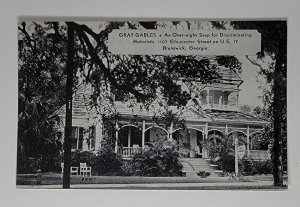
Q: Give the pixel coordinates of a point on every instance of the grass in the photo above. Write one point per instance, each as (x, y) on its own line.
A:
(225, 187)
(49, 179)
(53, 180)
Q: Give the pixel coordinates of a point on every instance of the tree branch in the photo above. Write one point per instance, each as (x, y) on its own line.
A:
(29, 39)
(80, 30)
(255, 63)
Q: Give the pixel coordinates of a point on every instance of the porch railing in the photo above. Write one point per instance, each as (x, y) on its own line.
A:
(220, 107)
(129, 151)
(259, 154)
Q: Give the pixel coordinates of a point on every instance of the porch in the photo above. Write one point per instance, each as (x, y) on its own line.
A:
(197, 140)
(129, 152)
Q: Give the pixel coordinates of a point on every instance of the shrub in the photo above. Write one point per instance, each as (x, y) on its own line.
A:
(203, 174)
(262, 167)
(147, 164)
(170, 160)
(87, 157)
(255, 167)
(30, 165)
(49, 164)
(78, 157)
(26, 165)
(107, 162)
(246, 166)
(226, 163)
(127, 168)
(157, 162)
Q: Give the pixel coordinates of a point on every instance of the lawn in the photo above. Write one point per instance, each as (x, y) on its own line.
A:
(55, 179)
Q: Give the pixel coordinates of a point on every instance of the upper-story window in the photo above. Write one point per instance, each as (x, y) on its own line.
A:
(219, 99)
(77, 138)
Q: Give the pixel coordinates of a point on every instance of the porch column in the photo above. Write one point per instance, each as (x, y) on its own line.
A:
(207, 96)
(206, 130)
(205, 139)
(236, 158)
(170, 132)
(248, 141)
(129, 137)
(117, 137)
(143, 134)
(226, 130)
(204, 153)
(98, 132)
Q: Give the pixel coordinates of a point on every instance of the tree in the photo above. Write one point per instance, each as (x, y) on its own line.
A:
(141, 76)
(42, 80)
(136, 76)
(41, 89)
(274, 44)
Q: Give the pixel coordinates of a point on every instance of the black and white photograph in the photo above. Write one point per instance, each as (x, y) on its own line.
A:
(158, 104)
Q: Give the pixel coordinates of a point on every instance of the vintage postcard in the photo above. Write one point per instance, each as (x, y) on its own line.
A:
(152, 104)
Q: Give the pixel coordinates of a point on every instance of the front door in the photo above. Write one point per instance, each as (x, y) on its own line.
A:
(199, 144)
(196, 143)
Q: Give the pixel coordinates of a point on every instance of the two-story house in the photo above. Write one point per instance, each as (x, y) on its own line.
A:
(217, 118)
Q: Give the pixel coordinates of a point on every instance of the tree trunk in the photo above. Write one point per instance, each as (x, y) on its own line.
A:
(277, 114)
(68, 123)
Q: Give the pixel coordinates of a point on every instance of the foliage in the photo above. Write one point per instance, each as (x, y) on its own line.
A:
(143, 77)
(109, 126)
(260, 141)
(222, 153)
(42, 61)
(127, 168)
(255, 167)
(167, 118)
(87, 157)
(107, 162)
(182, 142)
(26, 165)
(268, 138)
(41, 89)
(228, 164)
(262, 167)
(157, 161)
(274, 44)
(203, 174)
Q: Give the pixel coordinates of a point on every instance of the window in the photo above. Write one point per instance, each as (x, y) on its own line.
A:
(215, 97)
(92, 137)
(203, 97)
(77, 137)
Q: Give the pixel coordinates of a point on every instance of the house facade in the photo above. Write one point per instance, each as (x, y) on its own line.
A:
(217, 117)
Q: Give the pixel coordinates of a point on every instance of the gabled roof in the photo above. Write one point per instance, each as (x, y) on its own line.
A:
(229, 76)
(193, 113)
(80, 104)
(82, 108)
(219, 115)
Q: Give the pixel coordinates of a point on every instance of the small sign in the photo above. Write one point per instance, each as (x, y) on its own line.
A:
(241, 151)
